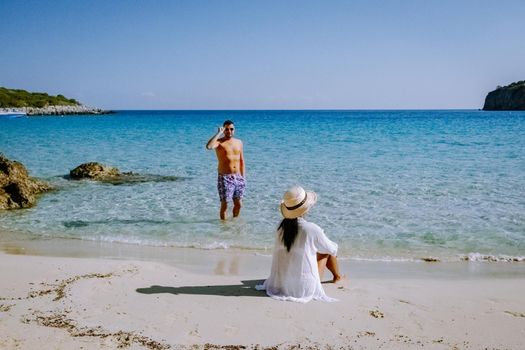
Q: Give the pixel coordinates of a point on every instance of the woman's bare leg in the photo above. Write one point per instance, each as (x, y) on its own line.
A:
(322, 259)
(330, 262)
(333, 267)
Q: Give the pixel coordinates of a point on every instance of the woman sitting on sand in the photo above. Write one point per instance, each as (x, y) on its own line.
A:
(301, 252)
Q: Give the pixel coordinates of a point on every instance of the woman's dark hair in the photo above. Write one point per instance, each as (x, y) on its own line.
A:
(289, 230)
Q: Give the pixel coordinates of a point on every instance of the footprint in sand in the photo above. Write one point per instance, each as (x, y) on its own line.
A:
(195, 332)
(231, 330)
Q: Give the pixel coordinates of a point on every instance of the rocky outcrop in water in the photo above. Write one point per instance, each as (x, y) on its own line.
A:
(107, 174)
(506, 98)
(93, 171)
(62, 110)
(17, 188)
(56, 110)
(41, 103)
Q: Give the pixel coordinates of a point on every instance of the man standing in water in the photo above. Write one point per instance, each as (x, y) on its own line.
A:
(231, 182)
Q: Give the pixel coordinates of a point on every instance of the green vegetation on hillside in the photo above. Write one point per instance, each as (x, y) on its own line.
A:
(513, 85)
(14, 98)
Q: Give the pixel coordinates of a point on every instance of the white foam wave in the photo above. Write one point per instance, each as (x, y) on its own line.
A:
(212, 246)
(378, 259)
(264, 255)
(267, 252)
(491, 258)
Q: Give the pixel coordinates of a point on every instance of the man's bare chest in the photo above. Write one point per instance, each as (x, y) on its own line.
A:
(230, 148)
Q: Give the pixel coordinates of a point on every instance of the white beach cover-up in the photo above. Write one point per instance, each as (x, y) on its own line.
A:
(294, 275)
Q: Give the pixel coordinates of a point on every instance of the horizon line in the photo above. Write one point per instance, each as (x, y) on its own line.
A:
(302, 109)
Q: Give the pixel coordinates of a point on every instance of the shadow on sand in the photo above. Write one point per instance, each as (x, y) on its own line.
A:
(246, 289)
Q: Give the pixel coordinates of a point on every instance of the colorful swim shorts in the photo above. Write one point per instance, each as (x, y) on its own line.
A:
(231, 186)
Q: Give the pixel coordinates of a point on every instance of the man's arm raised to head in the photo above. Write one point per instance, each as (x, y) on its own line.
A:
(213, 142)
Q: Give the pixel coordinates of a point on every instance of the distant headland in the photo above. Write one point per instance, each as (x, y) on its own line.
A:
(41, 103)
(506, 98)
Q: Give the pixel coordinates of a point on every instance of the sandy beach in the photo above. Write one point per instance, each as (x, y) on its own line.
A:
(194, 299)
(154, 153)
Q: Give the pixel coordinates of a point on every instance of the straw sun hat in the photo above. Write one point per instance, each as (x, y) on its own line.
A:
(296, 202)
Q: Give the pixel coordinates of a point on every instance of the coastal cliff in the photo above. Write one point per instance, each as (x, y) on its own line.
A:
(41, 103)
(506, 98)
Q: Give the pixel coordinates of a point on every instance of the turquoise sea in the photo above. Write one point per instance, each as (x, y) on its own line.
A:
(392, 185)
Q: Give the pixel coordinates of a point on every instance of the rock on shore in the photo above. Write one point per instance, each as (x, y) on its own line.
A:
(58, 110)
(506, 98)
(64, 110)
(17, 188)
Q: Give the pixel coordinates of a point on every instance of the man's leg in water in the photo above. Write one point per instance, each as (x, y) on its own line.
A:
(238, 194)
(224, 207)
(237, 204)
(225, 188)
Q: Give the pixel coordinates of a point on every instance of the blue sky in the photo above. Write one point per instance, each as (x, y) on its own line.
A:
(264, 54)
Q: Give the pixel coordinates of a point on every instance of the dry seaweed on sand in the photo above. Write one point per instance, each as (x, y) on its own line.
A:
(123, 338)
